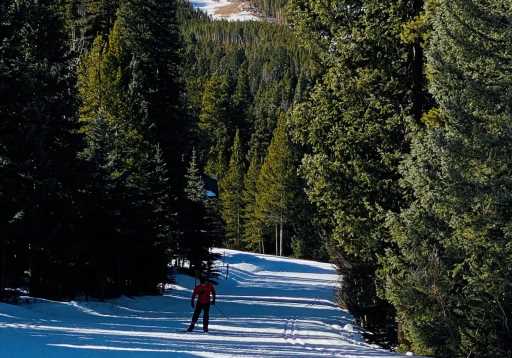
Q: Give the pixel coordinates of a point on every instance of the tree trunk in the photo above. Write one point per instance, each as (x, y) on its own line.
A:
(237, 228)
(3, 267)
(277, 242)
(281, 236)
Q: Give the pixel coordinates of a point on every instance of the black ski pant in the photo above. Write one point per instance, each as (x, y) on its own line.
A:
(206, 315)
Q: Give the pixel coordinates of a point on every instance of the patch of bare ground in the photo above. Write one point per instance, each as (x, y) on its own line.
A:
(234, 7)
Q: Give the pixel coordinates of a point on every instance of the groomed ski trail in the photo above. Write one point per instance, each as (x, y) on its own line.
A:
(268, 307)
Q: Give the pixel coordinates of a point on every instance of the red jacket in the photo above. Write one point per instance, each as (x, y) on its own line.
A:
(204, 291)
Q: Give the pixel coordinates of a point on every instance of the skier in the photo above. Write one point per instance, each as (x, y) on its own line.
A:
(203, 291)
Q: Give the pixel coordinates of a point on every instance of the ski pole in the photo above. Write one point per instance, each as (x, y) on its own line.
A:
(222, 313)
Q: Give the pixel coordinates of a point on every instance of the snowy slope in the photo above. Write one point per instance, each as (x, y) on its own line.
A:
(268, 307)
(232, 10)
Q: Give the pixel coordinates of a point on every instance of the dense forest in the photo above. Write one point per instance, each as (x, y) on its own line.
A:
(376, 135)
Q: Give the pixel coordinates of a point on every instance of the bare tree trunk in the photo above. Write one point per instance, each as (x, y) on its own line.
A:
(3, 267)
(238, 228)
(277, 242)
(262, 245)
(281, 236)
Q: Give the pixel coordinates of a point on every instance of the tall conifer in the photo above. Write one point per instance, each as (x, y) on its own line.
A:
(275, 187)
(450, 279)
(354, 125)
(231, 194)
(38, 145)
(252, 231)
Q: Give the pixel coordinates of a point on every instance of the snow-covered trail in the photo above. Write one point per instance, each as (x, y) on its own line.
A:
(268, 307)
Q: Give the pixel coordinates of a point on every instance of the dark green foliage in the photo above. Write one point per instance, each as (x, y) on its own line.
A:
(200, 226)
(451, 277)
(275, 9)
(252, 228)
(232, 189)
(242, 77)
(153, 44)
(215, 124)
(98, 223)
(87, 19)
(194, 188)
(38, 147)
(276, 188)
(354, 125)
(129, 94)
(247, 73)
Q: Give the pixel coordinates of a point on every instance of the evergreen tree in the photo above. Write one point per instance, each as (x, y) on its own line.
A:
(112, 99)
(252, 232)
(200, 226)
(241, 104)
(87, 19)
(215, 123)
(154, 83)
(194, 189)
(275, 186)
(450, 278)
(38, 147)
(353, 125)
(231, 194)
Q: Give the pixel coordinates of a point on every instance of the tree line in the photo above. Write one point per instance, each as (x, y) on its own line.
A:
(94, 149)
(407, 152)
(242, 78)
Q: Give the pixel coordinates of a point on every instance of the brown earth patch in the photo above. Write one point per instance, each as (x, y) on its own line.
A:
(235, 7)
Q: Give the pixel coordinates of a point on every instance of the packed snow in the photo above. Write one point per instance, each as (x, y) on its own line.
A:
(267, 307)
(232, 10)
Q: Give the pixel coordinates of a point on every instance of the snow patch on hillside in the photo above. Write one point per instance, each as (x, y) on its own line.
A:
(231, 10)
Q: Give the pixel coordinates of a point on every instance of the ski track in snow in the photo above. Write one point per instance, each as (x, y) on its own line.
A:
(268, 307)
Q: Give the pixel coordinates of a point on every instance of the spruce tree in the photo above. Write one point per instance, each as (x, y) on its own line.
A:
(154, 83)
(199, 224)
(252, 228)
(231, 188)
(113, 99)
(276, 184)
(215, 124)
(87, 19)
(38, 146)
(354, 127)
(194, 189)
(450, 278)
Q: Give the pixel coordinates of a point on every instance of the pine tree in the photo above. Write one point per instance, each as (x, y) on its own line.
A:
(354, 125)
(241, 100)
(194, 189)
(231, 194)
(114, 105)
(450, 279)
(275, 186)
(38, 146)
(154, 83)
(252, 232)
(200, 225)
(215, 124)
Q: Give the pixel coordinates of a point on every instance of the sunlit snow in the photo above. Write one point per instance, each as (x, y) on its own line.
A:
(213, 8)
(268, 307)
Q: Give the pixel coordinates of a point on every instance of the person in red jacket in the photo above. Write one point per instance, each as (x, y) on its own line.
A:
(204, 290)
